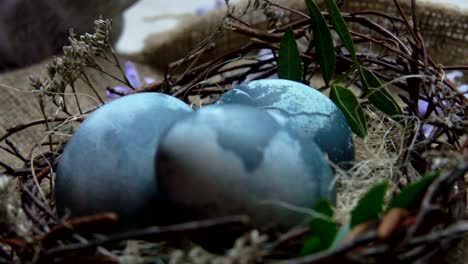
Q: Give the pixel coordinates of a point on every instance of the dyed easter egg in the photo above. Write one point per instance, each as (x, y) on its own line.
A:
(234, 159)
(310, 113)
(108, 164)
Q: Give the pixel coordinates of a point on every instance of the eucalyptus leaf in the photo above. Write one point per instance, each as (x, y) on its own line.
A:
(412, 193)
(341, 28)
(352, 110)
(370, 205)
(322, 230)
(323, 42)
(378, 95)
(289, 59)
(311, 245)
(324, 207)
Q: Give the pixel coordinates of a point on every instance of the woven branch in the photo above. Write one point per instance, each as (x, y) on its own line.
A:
(444, 29)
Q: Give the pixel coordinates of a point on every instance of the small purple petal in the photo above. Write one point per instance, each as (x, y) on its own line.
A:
(427, 129)
(122, 89)
(265, 54)
(422, 106)
(149, 80)
(119, 89)
(219, 3)
(111, 95)
(454, 75)
(132, 74)
(463, 89)
(203, 10)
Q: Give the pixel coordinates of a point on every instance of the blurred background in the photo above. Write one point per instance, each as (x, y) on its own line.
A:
(153, 16)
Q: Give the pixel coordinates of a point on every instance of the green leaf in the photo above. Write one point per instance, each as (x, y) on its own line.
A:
(322, 230)
(341, 28)
(369, 206)
(352, 110)
(341, 235)
(311, 245)
(412, 193)
(323, 42)
(322, 235)
(289, 59)
(378, 95)
(324, 207)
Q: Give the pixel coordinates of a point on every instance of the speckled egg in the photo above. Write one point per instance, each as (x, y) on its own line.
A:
(108, 164)
(310, 112)
(234, 159)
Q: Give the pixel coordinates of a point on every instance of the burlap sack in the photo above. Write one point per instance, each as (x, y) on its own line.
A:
(19, 105)
(31, 32)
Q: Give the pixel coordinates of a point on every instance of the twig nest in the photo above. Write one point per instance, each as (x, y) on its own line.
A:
(108, 164)
(232, 159)
(309, 112)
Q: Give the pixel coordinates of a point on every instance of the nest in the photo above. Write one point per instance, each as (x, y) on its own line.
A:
(432, 140)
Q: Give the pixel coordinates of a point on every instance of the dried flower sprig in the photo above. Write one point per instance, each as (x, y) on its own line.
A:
(83, 53)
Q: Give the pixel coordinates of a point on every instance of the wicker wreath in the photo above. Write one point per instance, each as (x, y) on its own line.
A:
(404, 56)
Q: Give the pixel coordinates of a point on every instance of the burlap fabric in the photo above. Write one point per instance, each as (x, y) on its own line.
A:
(18, 104)
(30, 32)
(444, 28)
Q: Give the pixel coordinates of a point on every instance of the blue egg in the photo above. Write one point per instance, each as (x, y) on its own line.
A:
(108, 163)
(234, 159)
(308, 111)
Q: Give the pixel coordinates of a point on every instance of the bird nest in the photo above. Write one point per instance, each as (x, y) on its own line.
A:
(426, 140)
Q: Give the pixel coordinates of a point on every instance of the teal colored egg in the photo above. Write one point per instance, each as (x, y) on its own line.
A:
(108, 164)
(234, 159)
(308, 111)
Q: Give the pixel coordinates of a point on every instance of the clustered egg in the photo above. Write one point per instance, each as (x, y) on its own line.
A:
(308, 111)
(225, 160)
(258, 151)
(107, 165)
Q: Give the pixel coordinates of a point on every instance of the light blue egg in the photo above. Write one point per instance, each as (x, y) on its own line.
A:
(309, 112)
(108, 163)
(234, 159)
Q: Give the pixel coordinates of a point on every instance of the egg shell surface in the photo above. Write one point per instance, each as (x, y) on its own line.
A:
(309, 112)
(234, 159)
(107, 165)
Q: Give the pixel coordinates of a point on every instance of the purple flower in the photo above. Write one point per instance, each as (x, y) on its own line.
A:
(134, 79)
(453, 76)
(219, 3)
(120, 89)
(201, 10)
(423, 105)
